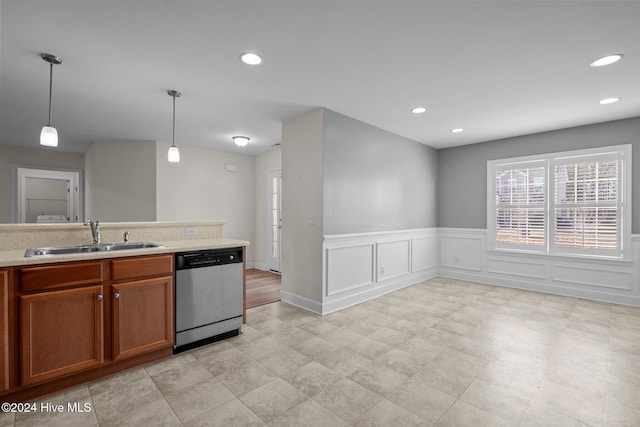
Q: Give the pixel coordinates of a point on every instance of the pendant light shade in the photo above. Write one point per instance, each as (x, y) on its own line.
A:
(241, 141)
(174, 153)
(49, 134)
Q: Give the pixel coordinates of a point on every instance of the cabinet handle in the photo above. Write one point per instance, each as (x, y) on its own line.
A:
(99, 297)
(116, 295)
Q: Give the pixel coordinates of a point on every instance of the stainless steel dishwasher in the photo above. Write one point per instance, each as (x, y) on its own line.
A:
(209, 296)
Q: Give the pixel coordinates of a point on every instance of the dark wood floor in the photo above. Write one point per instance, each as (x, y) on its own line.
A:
(263, 287)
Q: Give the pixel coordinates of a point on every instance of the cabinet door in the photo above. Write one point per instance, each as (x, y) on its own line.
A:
(4, 330)
(142, 316)
(61, 332)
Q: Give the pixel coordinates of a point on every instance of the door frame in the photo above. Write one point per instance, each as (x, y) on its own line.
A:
(73, 178)
(273, 264)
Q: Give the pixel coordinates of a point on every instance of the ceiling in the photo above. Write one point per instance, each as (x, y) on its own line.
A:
(496, 69)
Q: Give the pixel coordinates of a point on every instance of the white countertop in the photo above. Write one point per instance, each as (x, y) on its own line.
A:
(17, 258)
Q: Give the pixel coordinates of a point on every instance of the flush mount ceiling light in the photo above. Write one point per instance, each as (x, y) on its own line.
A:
(418, 110)
(49, 134)
(241, 141)
(174, 153)
(457, 130)
(607, 60)
(609, 100)
(251, 58)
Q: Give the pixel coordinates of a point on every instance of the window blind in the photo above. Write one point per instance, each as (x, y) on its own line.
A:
(568, 203)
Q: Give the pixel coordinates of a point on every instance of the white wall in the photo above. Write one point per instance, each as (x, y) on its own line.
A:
(302, 187)
(264, 163)
(200, 189)
(120, 181)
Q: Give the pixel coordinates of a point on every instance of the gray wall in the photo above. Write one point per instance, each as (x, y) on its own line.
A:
(120, 181)
(375, 180)
(462, 171)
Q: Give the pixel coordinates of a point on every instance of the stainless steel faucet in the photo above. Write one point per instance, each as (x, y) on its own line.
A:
(95, 230)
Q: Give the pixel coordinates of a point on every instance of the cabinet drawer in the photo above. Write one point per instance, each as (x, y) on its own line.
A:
(133, 268)
(59, 276)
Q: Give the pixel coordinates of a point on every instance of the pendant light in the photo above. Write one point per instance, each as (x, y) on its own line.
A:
(174, 154)
(49, 134)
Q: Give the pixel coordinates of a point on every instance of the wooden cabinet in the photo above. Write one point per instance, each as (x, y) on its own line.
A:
(78, 321)
(61, 319)
(142, 316)
(61, 332)
(4, 330)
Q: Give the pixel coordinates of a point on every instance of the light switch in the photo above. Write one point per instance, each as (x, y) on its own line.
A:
(311, 219)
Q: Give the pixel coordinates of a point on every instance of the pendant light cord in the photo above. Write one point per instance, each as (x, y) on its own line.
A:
(50, 90)
(173, 137)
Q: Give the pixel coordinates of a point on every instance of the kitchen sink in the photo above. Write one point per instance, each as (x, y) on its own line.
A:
(81, 249)
(129, 245)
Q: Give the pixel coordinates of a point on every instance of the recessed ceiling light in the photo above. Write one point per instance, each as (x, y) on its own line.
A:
(607, 60)
(457, 130)
(609, 100)
(251, 58)
(418, 110)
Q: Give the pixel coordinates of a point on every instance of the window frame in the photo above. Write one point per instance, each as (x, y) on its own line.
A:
(621, 153)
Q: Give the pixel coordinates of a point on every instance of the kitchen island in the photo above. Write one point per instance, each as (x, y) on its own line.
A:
(72, 318)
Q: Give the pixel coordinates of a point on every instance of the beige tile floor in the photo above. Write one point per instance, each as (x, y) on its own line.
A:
(443, 352)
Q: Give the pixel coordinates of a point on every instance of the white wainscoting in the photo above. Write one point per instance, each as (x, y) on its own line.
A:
(463, 255)
(360, 267)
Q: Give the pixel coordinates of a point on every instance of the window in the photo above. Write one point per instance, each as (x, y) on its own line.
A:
(575, 203)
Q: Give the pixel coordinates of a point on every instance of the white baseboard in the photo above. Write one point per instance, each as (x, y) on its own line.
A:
(630, 300)
(388, 286)
(301, 302)
(258, 266)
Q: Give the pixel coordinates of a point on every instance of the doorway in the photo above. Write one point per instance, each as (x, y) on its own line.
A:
(47, 196)
(275, 218)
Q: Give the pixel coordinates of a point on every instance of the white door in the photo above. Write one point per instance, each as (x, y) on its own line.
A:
(274, 217)
(47, 196)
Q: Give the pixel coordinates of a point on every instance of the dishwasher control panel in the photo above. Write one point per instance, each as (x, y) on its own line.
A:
(206, 258)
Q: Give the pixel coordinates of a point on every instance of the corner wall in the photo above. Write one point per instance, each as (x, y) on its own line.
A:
(302, 187)
(358, 211)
